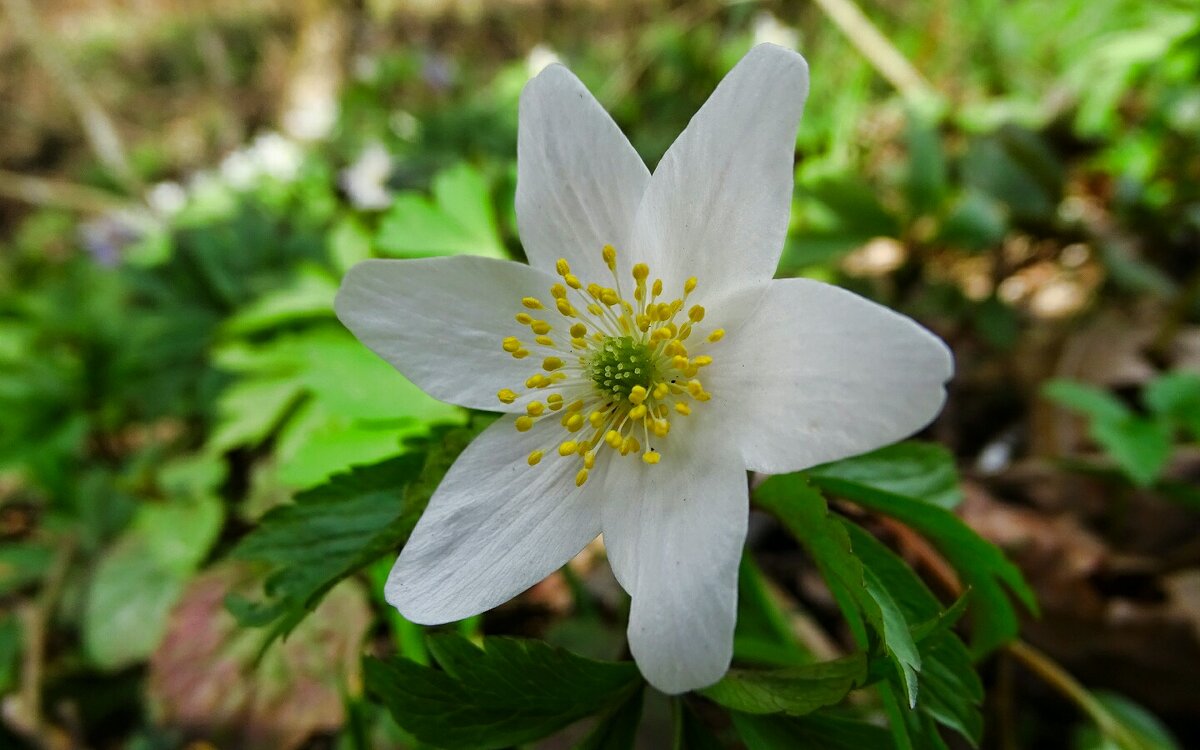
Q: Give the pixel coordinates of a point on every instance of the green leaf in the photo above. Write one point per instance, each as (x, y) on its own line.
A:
(459, 219)
(925, 183)
(333, 530)
(10, 650)
(763, 635)
(976, 221)
(791, 690)
(1176, 395)
(1138, 725)
(308, 296)
(805, 513)
(249, 410)
(140, 577)
(951, 690)
(923, 471)
(618, 730)
(1141, 447)
(1094, 402)
(815, 731)
(981, 564)
(22, 563)
(509, 692)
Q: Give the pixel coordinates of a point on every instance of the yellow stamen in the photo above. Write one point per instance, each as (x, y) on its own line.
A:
(535, 457)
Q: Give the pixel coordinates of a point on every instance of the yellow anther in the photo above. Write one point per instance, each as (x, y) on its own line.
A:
(535, 380)
(637, 412)
(575, 405)
(594, 289)
(630, 445)
(535, 408)
(695, 388)
(562, 266)
(657, 288)
(716, 335)
(581, 477)
(544, 340)
(596, 419)
(535, 457)
(660, 427)
(685, 330)
(679, 362)
(524, 318)
(664, 311)
(702, 361)
(567, 447)
(564, 308)
(661, 390)
(639, 293)
(558, 291)
(674, 347)
(572, 281)
(696, 314)
(589, 459)
(637, 395)
(550, 364)
(641, 271)
(609, 297)
(661, 334)
(643, 322)
(579, 343)
(575, 422)
(683, 408)
(689, 286)
(595, 309)
(651, 457)
(524, 423)
(531, 303)
(506, 395)
(578, 330)
(613, 438)
(520, 354)
(540, 327)
(511, 344)
(557, 377)
(610, 257)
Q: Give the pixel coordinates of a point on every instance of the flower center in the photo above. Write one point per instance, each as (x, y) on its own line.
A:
(622, 363)
(619, 371)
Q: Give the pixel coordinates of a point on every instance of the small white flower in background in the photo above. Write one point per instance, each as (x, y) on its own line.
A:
(167, 198)
(770, 30)
(365, 181)
(540, 58)
(645, 359)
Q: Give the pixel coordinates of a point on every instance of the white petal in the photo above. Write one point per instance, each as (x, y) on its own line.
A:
(441, 322)
(818, 373)
(579, 182)
(495, 526)
(674, 534)
(717, 206)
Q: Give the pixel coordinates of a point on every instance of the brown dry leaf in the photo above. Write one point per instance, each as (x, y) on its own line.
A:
(204, 682)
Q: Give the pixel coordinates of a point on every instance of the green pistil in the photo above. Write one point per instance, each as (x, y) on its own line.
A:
(622, 363)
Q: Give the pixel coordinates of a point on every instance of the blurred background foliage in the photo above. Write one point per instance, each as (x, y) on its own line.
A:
(182, 185)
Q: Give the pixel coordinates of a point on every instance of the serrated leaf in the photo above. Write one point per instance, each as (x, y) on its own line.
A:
(791, 690)
(618, 730)
(508, 692)
(333, 530)
(923, 471)
(951, 690)
(815, 731)
(805, 513)
(981, 564)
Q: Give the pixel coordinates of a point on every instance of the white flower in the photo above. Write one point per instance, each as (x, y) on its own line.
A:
(365, 181)
(645, 360)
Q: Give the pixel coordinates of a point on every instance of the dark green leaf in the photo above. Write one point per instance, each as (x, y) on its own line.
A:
(815, 731)
(1142, 728)
(981, 564)
(509, 692)
(331, 531)
(791, 690)
(923, 471)
(763, 635)
(617, 730)
(1141, 447)
(925, 182)
(1086, 399)
(804, 511)
(1176, 395)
